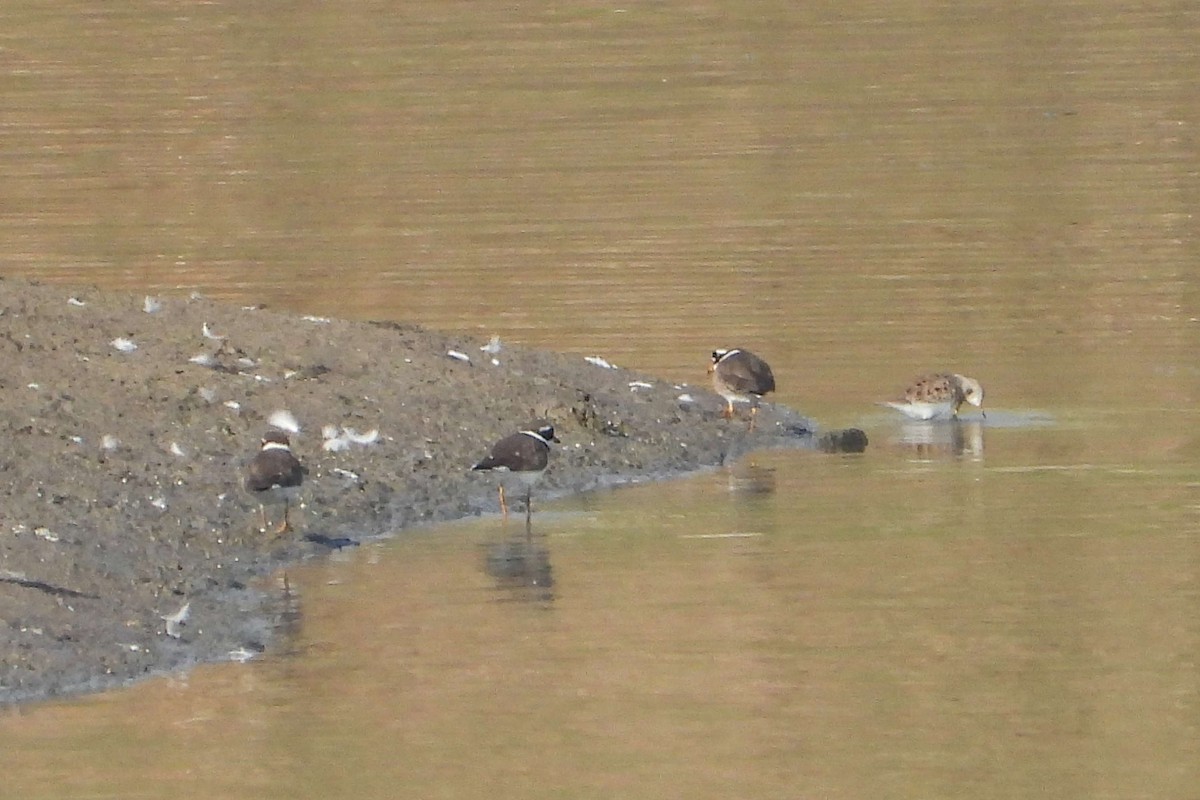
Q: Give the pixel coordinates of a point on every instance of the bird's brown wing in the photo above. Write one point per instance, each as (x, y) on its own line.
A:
(930, 389)
(516, 452)
(746, 373)
(273, 468)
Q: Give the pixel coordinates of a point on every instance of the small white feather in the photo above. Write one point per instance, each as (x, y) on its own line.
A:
(338, 439)
(284, 421)
(176, 621)
(208, 333)
(177, 450)
(234, 404)
(203, 359)
(635, 385)
(160, 503)
(123, 344)
(370, 437)
(336, 444)
(75, 301)
(493, 346)
(599, 362)
(241, 655)
(455, 354)
(311, 318)
(42, 532)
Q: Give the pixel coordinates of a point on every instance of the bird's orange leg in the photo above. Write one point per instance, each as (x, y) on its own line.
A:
(285, 525)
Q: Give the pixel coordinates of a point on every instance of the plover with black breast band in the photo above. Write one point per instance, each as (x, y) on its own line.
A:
(524, 455)
(739, 376)
(274, 476)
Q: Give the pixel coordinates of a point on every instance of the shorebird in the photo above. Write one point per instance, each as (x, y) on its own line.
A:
(525, 455)
(740, 377)
(939, 395)
(274, 476)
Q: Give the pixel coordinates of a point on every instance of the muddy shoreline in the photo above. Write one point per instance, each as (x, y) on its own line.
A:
(127, 421)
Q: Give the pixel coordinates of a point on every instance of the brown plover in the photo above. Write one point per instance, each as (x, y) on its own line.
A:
(523, 455)
(740, 377)
(274, 476)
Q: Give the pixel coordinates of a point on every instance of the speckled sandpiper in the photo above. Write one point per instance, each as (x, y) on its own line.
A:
(939, 395)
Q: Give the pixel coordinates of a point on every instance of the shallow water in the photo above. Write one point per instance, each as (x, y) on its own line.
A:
(859, 193)
(905, 624)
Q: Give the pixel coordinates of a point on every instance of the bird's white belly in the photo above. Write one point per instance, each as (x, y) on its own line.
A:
(922, 410)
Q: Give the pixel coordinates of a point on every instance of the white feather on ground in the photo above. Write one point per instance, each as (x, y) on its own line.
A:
(337, 440)
(176, 621)
(284, 420)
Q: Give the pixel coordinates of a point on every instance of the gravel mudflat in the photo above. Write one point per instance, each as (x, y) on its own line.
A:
(127, 424)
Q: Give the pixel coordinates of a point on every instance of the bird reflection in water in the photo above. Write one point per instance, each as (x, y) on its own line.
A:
(283, 604)
(747, 479)
(520, 563)
(949, 438)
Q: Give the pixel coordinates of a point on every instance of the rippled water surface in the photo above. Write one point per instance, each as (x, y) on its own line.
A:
(858, 191)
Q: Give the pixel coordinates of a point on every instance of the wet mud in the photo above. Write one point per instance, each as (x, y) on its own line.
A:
(127, 422)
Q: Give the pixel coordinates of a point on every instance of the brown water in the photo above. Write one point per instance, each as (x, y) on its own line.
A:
(859, 192)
